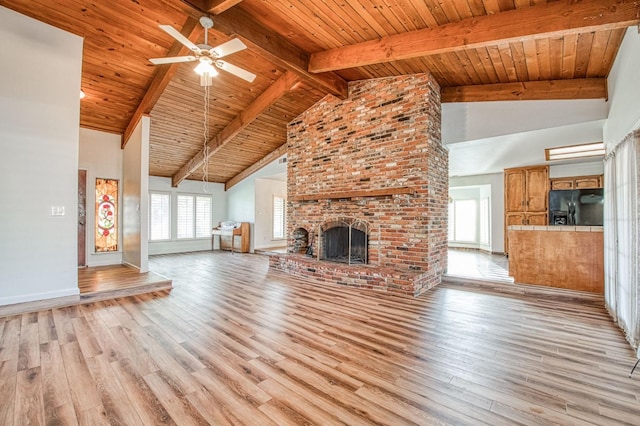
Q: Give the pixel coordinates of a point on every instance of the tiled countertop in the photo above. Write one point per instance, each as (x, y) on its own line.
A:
(555, 228)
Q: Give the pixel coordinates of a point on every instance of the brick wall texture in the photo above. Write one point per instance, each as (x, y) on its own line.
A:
(385, 135)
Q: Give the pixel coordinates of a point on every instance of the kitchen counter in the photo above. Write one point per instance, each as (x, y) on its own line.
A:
(569, 257)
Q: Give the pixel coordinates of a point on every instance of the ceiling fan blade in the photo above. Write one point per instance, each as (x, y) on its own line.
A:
(237, 71)
(172, 60)
(178, 36)
(231, 46)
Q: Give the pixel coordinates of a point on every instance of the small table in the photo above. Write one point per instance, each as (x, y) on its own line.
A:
(227, 232)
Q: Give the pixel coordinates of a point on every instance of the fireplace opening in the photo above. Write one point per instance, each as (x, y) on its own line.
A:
(345, 243)
(300, 241)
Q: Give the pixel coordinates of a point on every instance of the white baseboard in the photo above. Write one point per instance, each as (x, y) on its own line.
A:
(12, 300)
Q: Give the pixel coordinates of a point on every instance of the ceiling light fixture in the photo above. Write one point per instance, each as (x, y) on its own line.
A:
(206, 71)
(575, 151)
(82, 95)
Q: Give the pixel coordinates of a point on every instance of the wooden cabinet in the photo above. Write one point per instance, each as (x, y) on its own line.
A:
(525, 197)
(577, 182)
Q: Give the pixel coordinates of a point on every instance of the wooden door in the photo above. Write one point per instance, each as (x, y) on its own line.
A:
(537, 184)
(82, 217)
(514, 190)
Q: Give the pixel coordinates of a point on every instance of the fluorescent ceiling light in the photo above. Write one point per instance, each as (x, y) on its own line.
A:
(575, 151)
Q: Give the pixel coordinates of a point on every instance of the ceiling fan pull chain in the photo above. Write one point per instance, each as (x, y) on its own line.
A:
(205, 150)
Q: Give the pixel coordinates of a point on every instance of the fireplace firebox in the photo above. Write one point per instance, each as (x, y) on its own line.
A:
(345, 241)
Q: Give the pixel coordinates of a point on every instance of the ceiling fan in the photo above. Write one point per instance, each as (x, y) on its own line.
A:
(207, 56)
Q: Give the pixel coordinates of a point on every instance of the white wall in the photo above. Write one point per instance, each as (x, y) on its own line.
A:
(218, 213)
(101, 157)
(481, 120)
(241, 198)
(624, 90)
(265, 191)
(496, 181)
(576, 169)
(40, 70)
(492, 155)
(135, 207)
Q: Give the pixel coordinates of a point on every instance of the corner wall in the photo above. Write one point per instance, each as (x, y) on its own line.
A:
(39, 120)
(243, 204)
(135, 190)
(101, 157)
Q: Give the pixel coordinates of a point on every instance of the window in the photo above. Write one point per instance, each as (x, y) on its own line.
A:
(194, 216)
(159, 216)
(106, 215)
(278, 217)
(463, 219)
(203, 216)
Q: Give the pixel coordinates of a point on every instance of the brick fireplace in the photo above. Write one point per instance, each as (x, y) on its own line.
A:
(367, 184)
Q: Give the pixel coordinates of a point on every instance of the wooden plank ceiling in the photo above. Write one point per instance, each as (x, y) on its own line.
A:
(478, 50)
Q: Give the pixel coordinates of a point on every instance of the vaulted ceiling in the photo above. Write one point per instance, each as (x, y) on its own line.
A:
(478, 50)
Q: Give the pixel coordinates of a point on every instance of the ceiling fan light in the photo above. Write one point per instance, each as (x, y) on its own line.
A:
(205, 67)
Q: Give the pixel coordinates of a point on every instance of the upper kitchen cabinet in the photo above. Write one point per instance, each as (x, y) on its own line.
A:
(577, 182)
(525, 196)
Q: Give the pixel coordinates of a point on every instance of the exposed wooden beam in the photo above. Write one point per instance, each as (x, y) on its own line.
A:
(281, 86)
(582, 88)
(267, 159)
(554, 19)
(277, 49)
(216, 7)
(162, 77)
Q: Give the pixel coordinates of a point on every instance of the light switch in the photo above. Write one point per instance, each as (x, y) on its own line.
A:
(57, 210)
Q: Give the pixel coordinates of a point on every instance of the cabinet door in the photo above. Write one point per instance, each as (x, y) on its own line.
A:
(537, 184)
(514, 191)
(588, 182)
(511, 219)
(538, 219)
(562, 184)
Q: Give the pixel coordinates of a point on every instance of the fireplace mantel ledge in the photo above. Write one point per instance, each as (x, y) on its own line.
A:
(354, 194)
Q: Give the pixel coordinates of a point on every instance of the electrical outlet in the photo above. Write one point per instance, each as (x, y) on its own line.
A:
(57, 210)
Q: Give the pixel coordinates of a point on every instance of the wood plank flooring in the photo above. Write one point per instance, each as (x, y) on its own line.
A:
(237, 343)
(102, 279)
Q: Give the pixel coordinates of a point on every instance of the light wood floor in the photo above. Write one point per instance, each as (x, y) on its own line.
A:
(235, 343)
(107, 279)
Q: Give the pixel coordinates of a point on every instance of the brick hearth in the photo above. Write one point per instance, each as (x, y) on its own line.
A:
(375, 158)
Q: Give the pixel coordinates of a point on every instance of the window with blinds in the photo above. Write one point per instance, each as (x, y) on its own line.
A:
(159, 216)
(194, 216)
(278, 217)
(203, 216)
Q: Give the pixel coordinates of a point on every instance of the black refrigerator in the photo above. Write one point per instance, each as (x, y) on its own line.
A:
(581, 207)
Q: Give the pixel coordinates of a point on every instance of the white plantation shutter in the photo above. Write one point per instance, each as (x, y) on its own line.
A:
(159, 216)
(185, 218)
(278, 216)
(203, 216)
